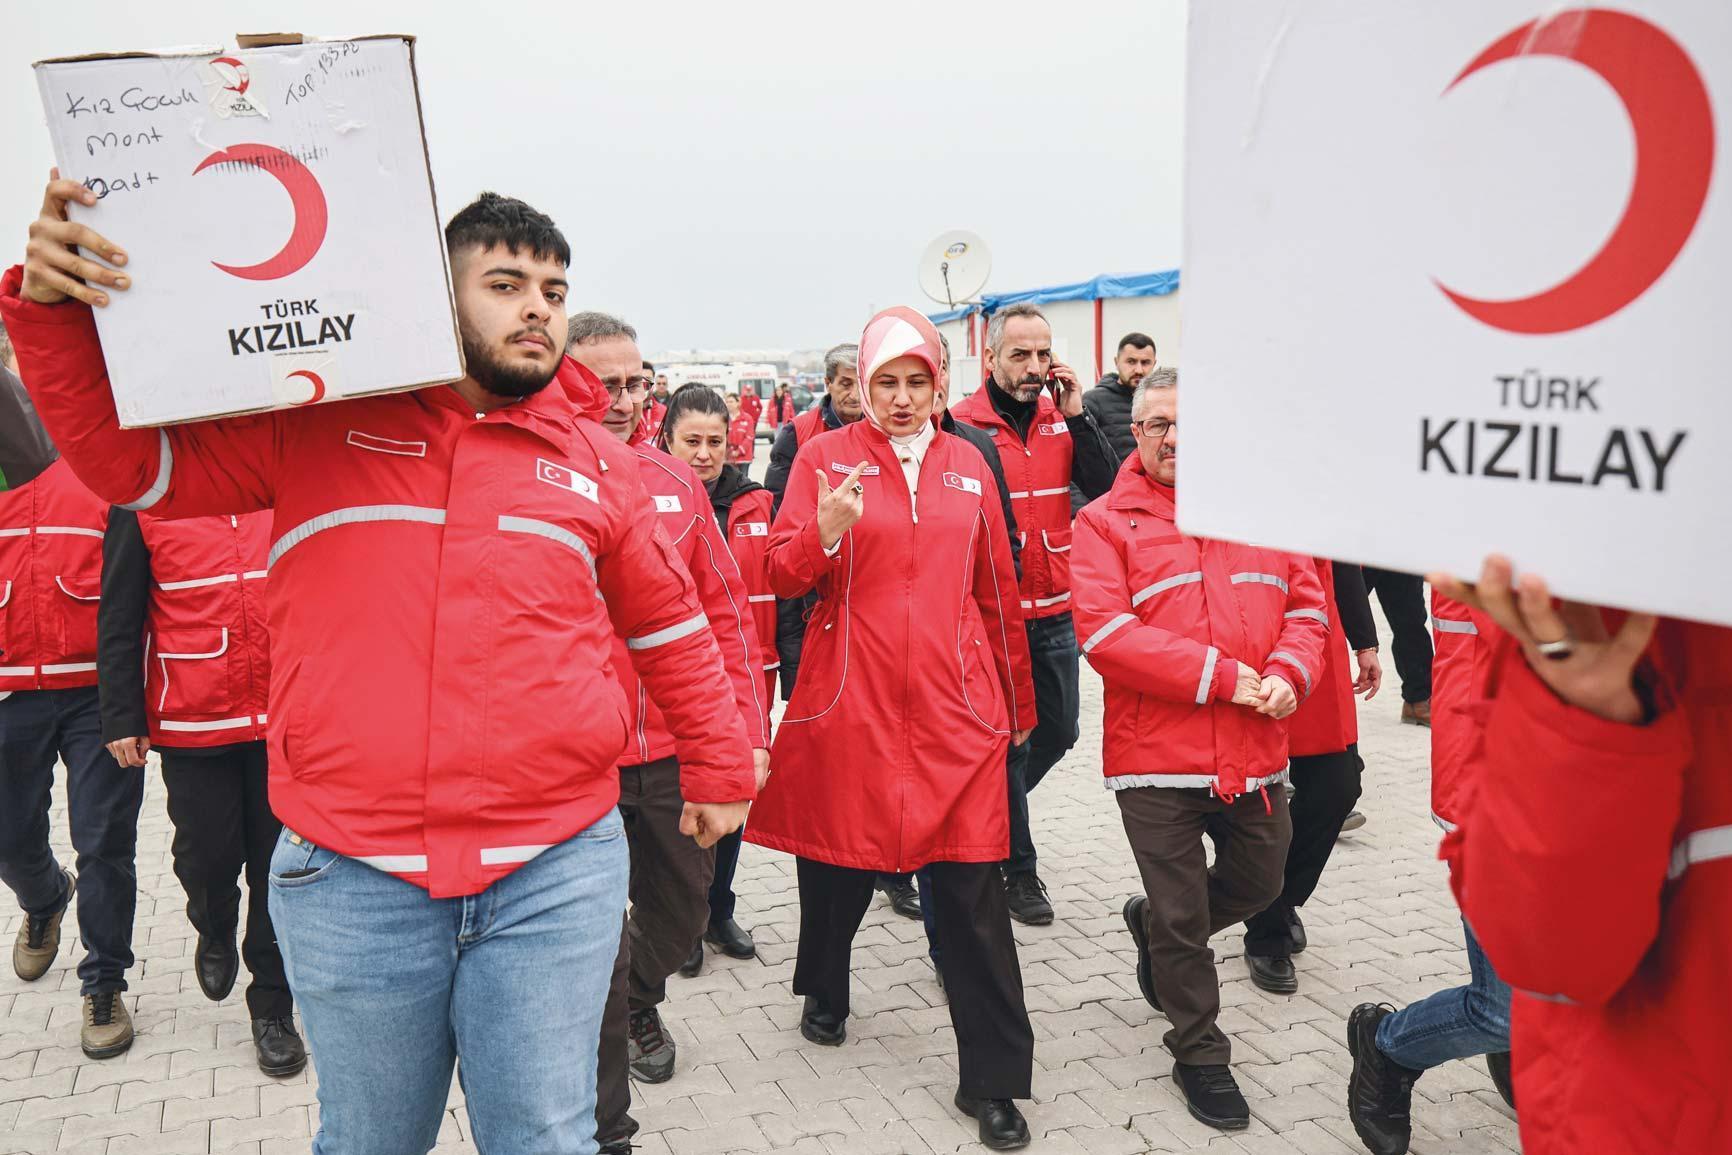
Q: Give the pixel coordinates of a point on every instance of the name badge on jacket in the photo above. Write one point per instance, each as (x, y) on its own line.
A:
(566, 478)
(966, 484)
(1054, 429)
(667, 503)
(752, 529)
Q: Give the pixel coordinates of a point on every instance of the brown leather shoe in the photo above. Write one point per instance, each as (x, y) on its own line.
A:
(39, 938)
(107, 1025)
(1416, 713)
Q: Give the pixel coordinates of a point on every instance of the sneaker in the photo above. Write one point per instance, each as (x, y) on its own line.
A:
(1497, 1065)
(278, 1047)
(1212, 1094)
(648, 1048)
(1380, 1090)
(900, 890)
(107, 1030)
(1354, 820)
(1025, 894)
(39, 938)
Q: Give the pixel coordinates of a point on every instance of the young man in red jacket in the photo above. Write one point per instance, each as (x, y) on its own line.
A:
(1047, 444)
(1204, 647)
(450, 568)
(670, 874)
(184, 667)
(1603, 798)
(50, 579)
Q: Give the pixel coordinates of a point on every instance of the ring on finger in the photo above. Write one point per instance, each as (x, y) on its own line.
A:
(1559, 650)
(858, 488)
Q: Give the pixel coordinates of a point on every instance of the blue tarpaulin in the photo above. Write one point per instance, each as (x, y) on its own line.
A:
(1105, 287)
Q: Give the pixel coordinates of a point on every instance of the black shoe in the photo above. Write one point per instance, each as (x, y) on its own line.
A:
(618, 1147)
(1002, 1126)
(822, 1027)
(731, 939)
(279, 1047)
(1025, 893)
(1273, 973)
(1501, 1077)
(648, 1047)
(216, 962)
(1296, 932)
(694, 964)
(1140, 936)
(1380, 1090)
(1212, 1094)
(900, 890)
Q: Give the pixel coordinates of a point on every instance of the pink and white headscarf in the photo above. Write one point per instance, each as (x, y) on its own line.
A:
(896, 332)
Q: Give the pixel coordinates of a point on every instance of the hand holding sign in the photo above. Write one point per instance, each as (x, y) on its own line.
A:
(839, 509)
(53, 268)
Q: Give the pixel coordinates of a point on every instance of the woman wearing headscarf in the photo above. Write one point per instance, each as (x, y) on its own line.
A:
(914, 679)
(695, 430)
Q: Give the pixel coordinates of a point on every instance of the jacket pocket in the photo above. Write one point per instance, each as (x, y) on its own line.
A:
(76, 596)
(1057, 543)
(6, 586)
(981, 687)
(192, 672)
(823, 668)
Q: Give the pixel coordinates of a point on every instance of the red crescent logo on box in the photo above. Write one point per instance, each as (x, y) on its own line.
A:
(242, 80)
(318, 383)
(1673, 121)
(308, 199)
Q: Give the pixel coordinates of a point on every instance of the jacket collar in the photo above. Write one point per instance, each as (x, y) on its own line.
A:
(1133, 489)
(551, 413)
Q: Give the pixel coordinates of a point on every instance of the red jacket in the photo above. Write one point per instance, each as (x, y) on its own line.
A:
(207, 658)
(740, 435)
(809, 424)
(915, 671)
(748, 536)
(1039, 475)
(1166, 619)
(1460, 666)
(444, 592)
(649, 425)
(1624, 1044)
(50, 580)
(752, 404)
(1328, 721)
(683, 509)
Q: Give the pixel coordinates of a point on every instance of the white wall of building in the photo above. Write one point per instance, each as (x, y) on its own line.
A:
(1073, 335)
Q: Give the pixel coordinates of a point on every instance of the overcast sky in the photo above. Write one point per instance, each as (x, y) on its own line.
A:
(745, 174)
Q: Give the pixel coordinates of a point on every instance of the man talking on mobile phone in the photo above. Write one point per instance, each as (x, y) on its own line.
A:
(1032, 405)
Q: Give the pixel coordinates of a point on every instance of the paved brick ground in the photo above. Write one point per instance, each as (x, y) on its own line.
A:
(1382, 928)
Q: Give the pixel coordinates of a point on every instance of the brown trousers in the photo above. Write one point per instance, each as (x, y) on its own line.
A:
(670, 907)
(1190, 900)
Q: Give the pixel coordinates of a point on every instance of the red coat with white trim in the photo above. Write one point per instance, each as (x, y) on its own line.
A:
(740, 435)
(1463, 644)
(1166, 619)
(649, 425)
(1328, 721)
(207, 669)
(890, 755)
(1039, 475)
(748, 534)
(445, 589)
(683, 509)
(1624, 1045)
(50, 581)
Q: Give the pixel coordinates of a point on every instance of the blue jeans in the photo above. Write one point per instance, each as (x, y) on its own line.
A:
(1455, 1024)
(38, 727)
(1053, 654)
(395, 985)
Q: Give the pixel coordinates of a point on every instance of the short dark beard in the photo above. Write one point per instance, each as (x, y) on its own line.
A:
(503, 380)
(1012, 391)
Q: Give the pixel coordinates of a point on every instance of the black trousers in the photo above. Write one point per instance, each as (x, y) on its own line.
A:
(1402, 596)
(219, 803)
(1325, 787)
(994, 1041)
(37, 728)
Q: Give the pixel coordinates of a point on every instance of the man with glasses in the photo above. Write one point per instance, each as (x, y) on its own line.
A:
(1204, 647)
(670, 873)
(655, 408)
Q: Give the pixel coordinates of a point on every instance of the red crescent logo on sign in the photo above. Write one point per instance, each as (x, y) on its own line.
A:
(311, 214)
(1669, 111)
(242, 80)
(318, 385)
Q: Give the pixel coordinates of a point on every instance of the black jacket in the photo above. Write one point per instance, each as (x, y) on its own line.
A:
(25, 450)
(1109, 403)
(786, 445)
(1353, 603)
(728, 487)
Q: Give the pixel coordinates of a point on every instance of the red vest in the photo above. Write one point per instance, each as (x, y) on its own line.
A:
(748, 532)
(1459, 674)
(207, 657)
(50, 580)
(1328, 721)
(1038, 474)
(809, 424)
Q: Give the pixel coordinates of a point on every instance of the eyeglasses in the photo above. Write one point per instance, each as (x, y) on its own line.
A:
(634, 388)
(1154, 427)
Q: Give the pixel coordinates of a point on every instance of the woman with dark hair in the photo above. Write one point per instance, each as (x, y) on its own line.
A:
(695, 430)
(914, 681)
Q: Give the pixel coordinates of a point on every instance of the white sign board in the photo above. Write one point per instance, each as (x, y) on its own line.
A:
(278, 215)
(1458, 280)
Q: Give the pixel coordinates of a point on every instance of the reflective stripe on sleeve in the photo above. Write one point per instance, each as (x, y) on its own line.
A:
(69, 668)
(551, 532)
(1707, 845)
(1208, 678)
(199, 727)
(353, 515)
(1107, 631)
(761, 598)
(1443, 823)
(1165, 584)
(1284, 656)
(1451, 626)
(1261, 579)
(159, 487)
(1309, 615)
(672, 634)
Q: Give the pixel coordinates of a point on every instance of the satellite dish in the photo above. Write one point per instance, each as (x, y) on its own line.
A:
(954, 267)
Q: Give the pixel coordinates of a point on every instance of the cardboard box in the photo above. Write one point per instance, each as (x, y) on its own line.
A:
(1457, 281)
(277, 209)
